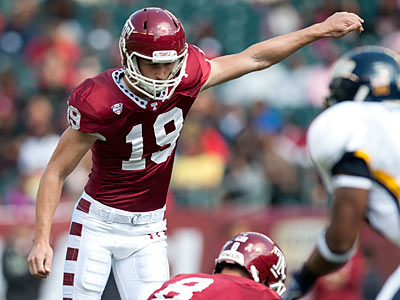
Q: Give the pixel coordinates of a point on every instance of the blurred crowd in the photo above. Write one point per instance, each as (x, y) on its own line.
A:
(244, 142)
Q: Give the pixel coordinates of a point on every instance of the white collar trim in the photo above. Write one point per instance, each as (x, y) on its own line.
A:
(116, 76)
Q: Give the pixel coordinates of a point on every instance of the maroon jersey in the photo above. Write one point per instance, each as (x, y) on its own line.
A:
(210, 287)
(133, 157)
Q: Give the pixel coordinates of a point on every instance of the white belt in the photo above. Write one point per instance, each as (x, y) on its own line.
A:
(114, 215)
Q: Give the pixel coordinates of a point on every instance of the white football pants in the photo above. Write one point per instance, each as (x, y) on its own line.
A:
(100, 237)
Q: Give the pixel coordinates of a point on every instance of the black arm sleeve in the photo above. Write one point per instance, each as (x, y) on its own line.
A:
(351, 165)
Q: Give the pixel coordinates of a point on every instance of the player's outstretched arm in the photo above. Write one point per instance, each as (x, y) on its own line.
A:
(335, 247)
(267, 53)
(72, 146)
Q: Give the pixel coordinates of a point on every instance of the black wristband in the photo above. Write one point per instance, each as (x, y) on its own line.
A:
(307, 277)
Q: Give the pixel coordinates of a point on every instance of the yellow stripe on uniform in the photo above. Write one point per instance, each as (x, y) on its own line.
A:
(363, 155)
(388, 181)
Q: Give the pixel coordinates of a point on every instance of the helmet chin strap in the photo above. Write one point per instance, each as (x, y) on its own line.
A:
(278, 287)
(162, 95)
(254, 273)
(150, 93)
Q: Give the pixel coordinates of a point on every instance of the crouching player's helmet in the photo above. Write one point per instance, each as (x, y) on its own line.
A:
(368, 73)
(157, 35)
(259, 255)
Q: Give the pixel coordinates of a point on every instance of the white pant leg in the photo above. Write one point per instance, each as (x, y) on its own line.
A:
(88, 259)
(391, 287)
(95, 241)
(144, 271)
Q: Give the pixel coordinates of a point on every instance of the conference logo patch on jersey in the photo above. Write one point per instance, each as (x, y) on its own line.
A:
(117, 108)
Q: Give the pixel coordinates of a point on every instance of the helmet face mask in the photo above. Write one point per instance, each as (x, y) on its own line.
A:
(156, 35)
(368, 73)
(259, 255)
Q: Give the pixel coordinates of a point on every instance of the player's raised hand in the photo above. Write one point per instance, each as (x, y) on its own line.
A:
(39, 260)
(341, 23)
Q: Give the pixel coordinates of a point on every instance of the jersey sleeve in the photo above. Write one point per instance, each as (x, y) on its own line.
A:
(333, 144)
(197, 70)
(82, 115)
(352, 163)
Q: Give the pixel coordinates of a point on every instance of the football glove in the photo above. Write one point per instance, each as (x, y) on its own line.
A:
(301, 283)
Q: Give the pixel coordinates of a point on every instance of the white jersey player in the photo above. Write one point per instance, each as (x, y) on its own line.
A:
(364, 149)
(354, 149)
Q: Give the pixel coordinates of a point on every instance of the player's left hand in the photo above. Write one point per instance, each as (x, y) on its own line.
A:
(341, 23)
(39, 260)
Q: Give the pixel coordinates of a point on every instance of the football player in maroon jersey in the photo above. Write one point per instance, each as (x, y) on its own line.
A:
(130, 118)
(249, 266)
